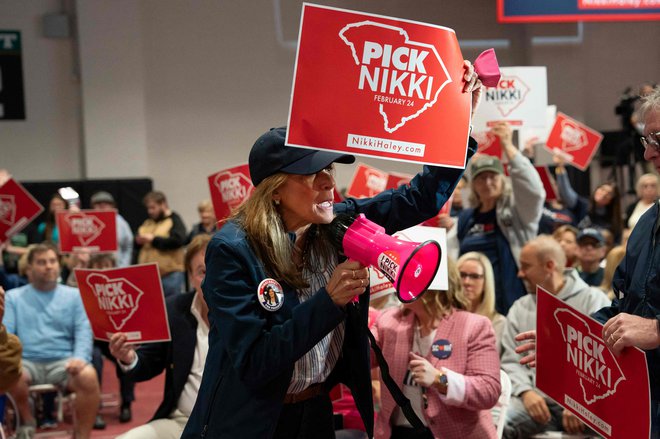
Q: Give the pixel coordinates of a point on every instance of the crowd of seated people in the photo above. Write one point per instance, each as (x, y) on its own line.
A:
(501, 259)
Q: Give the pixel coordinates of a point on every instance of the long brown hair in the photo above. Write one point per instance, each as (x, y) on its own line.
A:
(268, 237)
(50, 218)
(612, 210)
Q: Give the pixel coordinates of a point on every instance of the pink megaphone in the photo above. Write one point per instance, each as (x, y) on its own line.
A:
(410, 266)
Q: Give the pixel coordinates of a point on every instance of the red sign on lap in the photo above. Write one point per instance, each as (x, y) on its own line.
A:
(378, 86)
(94, 230)
(577, 370)
(576, 142)
(229, 188)
(17, 209)
(128, 300)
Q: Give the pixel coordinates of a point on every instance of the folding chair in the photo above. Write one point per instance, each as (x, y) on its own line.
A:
(502, 406)
(62, 400)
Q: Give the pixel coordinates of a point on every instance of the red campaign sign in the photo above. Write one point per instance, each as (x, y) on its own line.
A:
(549, 183)
(576, 369)
(445, 210)
(379, 285)
(379, 86)
(94, 230)
(367, 182)
(229, 188)
(576, 142)
(396, 179)
(128, 300)
(489, 144)
(17, 209)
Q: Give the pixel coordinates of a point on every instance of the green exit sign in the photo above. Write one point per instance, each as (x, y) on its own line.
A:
(10, 41)
(12, 99)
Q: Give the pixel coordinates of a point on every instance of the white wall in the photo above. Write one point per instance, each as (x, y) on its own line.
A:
(46, 145)
(211, 77)
(112, 69)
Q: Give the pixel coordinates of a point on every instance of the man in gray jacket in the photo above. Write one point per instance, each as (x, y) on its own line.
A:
(543, 263)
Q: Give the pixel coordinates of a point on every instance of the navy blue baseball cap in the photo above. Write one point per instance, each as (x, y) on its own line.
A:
(590, 234)
(269, 155)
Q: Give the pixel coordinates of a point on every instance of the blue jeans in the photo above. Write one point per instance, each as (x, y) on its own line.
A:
(172, 283)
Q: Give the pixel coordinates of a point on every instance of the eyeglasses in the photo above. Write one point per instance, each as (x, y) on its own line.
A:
(651, 140)
(473, 276)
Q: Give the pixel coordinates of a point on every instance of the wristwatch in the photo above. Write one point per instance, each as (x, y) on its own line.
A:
(441, 382)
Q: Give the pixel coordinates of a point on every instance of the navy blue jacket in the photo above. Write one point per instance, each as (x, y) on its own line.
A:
(637, 284)
(252, 351)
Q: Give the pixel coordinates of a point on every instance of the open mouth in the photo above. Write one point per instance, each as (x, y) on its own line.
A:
(326, 205)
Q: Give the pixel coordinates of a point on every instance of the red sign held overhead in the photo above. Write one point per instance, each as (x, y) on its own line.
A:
(489, 144)
(128, 300)
(378, 86)
(17, 209)
(577, 370)
(94, 230)
(574, 141)
(549, 183)
(396, 179)
(367, 182)
(229, 188)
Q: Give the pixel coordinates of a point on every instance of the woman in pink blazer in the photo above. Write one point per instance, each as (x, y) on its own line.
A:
(445, 360)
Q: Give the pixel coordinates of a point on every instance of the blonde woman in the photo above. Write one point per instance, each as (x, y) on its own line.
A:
(273, 365)
(479, 286)
(445, 358)
(504, 214)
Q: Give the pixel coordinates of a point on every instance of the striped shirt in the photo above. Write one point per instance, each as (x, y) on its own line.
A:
(315, 366)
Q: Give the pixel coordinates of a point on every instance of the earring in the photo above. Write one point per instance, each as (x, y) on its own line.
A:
(277, 202)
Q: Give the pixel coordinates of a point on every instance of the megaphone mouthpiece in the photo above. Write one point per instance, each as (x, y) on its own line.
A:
(338, 228)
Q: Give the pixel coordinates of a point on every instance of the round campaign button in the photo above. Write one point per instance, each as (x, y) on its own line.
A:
(270, 294)
(441, 349)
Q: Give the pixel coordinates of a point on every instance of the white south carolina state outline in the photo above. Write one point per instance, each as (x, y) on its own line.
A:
(107, 280)
(584, 391)
(407, 41)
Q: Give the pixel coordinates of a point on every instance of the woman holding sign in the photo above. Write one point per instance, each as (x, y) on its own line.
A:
(269, 368)
(504, 214)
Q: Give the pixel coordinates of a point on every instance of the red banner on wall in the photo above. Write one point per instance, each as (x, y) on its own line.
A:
(94, 230)
(576, 142)
(17, 209)
(128, 300)
(229, 188)
(379, 86)
(576, 369)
